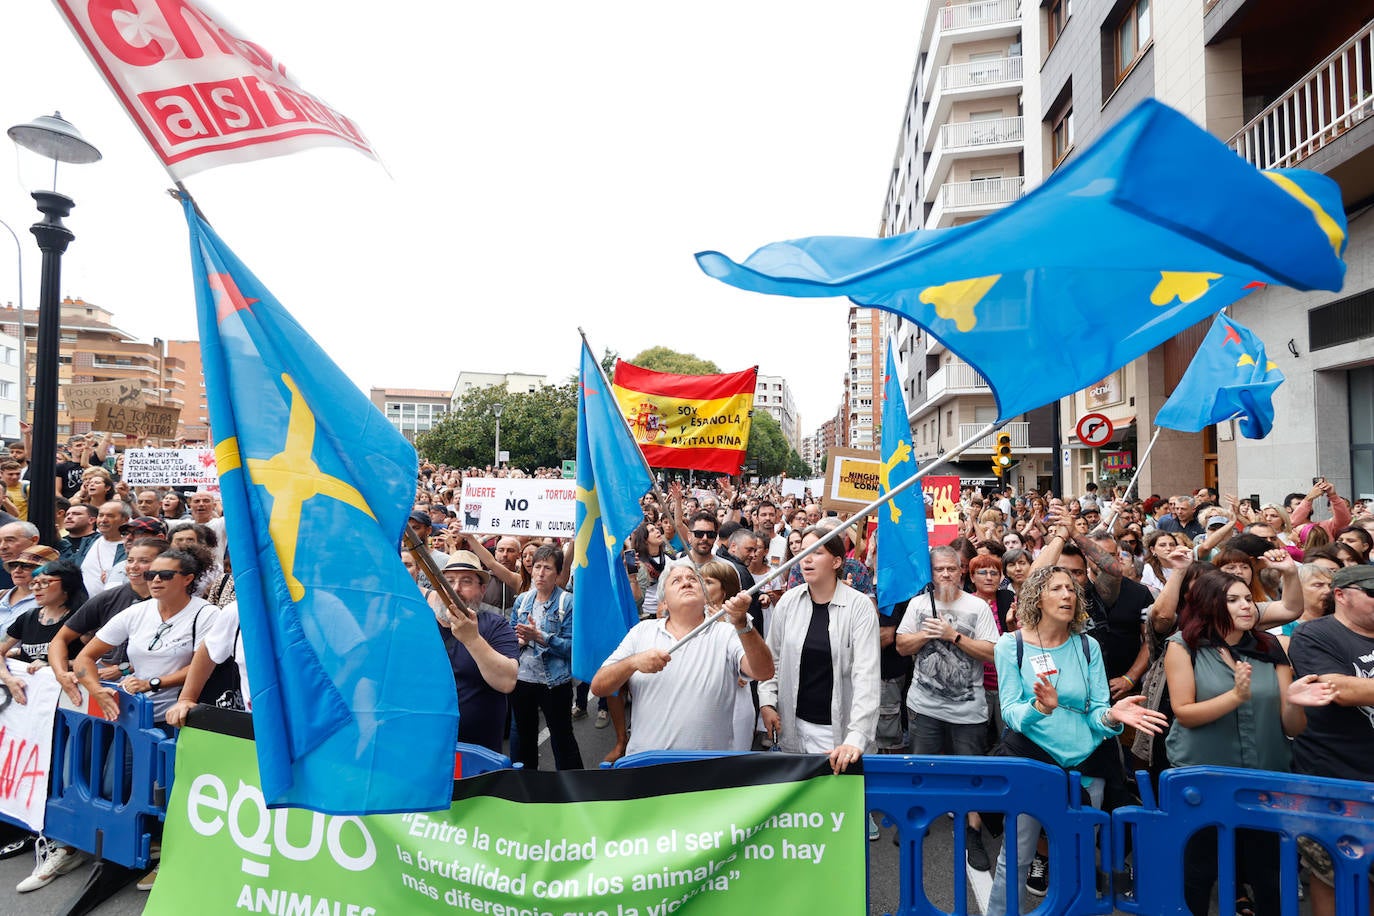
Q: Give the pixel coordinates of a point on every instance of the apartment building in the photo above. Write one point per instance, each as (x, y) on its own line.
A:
(862, 410)
(771, 393)
(92, 349)
(1285, 85)
(411, 410)
(961, 155)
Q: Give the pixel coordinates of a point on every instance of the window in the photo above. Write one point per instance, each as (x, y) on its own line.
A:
(1058, 14)
(1131, 36)
(8, 388)
(1061, 135)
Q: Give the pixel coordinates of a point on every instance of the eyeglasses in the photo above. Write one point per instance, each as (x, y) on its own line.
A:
(703, 534)
(166, 575)
(157, 637)
(987, 572)
(44, 583)
(15, 564)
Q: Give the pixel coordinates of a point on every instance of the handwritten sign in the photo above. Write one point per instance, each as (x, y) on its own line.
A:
(82, 399)
(851, 479)
(26, 746)
(526, 507)
(171, 467)
(148, 422)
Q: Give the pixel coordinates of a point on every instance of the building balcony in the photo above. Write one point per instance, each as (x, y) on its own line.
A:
(975, 79)
(971, 139)
(1331, 100)
(972, 199)
(955, 23)
(952, 380)
(1019, 430)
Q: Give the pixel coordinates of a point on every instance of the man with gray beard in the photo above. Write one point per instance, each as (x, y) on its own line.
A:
(951, 633)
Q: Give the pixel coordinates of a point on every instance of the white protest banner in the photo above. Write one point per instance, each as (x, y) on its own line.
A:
(505, 505)
(26, 745)
(200, 91)
(171, 467)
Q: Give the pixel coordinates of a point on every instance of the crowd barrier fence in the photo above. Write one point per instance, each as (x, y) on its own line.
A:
(110, 782)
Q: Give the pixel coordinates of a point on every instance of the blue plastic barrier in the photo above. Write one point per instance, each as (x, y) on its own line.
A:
(1337, 813)
(104, 795)
(913, 791)
(474, 760)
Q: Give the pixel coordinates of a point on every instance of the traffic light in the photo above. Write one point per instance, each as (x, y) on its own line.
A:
(1002, 457)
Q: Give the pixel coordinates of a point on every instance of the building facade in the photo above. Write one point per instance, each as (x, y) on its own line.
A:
(411, 410)
(9, 387)
(771, 393)
(961, 155)
(863, 410)
(92, 349)
(195, 415)
(1285, 85)
(514, 382)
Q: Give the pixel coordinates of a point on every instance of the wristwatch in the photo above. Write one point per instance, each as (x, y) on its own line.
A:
(748, 625)
(154, 683)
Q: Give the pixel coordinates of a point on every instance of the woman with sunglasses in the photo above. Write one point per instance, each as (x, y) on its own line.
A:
(57, 591)
(20, 598)
(162, 634)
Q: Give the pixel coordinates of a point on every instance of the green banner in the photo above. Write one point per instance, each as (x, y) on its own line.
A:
(761, 834)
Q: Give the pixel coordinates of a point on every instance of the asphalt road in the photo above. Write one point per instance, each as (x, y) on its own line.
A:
(595, 743)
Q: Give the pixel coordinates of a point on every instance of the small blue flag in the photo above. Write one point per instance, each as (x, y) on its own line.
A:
(611, 479)
(903, 547)
(1154, 228)
(1230, 376)
(354, 710)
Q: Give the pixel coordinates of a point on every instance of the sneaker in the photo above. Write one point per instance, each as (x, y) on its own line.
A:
(146, 882)
(53, 860)
(872, 830)
(1038, 878)
(579, 713)
(977, 852)
(603, 719)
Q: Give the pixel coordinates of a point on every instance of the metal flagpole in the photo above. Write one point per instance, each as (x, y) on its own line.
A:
(1139, 466)
(876, 504)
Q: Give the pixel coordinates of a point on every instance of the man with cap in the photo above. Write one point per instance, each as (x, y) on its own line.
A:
(143, 526)
(482, 649)
(1339, 738)
(422, 528)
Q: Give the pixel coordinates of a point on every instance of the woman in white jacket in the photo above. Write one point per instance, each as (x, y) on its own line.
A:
(823, 698)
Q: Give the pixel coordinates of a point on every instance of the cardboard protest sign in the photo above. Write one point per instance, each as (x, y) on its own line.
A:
(145, 422)
(82, 399)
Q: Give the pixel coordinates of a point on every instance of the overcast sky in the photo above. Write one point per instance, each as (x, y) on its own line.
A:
(552, 164)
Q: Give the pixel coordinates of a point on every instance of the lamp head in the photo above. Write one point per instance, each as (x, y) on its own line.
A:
(53, 137)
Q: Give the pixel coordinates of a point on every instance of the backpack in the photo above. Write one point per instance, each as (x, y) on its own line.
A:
(223, 687)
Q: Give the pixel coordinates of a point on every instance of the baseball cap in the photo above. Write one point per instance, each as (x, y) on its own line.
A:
(1361, 576)
(421, 517)
(145, 525)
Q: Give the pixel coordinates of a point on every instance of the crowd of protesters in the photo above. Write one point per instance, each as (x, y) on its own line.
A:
(1093, 633)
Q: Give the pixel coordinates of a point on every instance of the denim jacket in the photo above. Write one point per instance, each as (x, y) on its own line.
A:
(556, 653)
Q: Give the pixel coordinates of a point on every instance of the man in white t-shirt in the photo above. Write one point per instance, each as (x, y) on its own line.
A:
(685, 701)
(98, 568)
(951, 633)
(205, 511)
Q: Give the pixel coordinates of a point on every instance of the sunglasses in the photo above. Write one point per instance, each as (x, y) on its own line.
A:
(15, 564)
(157, 637)
(166, 575)
(703, 534)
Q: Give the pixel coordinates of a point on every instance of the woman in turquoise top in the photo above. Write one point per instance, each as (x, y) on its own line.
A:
(1235, 704)
(1055, 701)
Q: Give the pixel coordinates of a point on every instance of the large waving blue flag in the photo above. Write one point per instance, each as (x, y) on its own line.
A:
(611, 479)
(903, 547)
(354, 710)
(1154, 228)
(1230, 376)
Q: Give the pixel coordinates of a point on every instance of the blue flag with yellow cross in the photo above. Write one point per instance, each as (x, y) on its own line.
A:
(1231, 375)
(1155, 227)
(611, 479)
(903, 544)
(354, 710)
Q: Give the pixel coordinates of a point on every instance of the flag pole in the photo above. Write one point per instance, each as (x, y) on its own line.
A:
(1139, 466)
(858, 516)
(653, 480)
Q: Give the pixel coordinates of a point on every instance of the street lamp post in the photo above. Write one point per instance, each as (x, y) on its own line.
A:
(496, 412)
(55, 139)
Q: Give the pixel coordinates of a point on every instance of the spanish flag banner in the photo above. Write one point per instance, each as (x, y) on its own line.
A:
(699, 422)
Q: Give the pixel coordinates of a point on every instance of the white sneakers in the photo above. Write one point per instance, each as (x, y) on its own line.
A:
(53, 860)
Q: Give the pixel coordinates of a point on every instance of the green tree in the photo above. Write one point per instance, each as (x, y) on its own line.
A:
(797, 468)
(538, 428)
(662, 359)
(768, 449)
